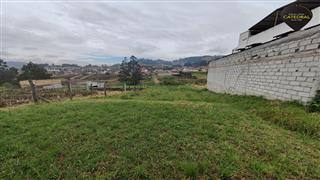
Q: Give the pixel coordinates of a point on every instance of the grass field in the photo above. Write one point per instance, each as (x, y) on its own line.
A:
(198, 78)
(176, 132)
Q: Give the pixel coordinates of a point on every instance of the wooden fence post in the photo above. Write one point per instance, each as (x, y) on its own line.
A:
(70, 89)
(33, 91)
(105, 88)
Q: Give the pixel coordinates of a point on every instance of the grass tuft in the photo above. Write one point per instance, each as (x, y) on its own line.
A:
(190, 169)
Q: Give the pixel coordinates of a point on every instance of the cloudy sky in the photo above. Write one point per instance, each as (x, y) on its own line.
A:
(103, 32)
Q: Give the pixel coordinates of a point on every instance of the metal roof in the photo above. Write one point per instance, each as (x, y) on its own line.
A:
(274, 18)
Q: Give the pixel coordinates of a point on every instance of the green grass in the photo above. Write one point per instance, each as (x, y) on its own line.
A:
(177, 80)
(200, 75)
(289, 115)
(161, 133)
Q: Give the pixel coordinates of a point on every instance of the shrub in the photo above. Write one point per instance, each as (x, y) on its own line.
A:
(7, 85)
(170, 80)
(201, 82)
(314, 105)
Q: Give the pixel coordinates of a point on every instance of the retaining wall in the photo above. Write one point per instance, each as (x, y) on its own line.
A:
(285, 69)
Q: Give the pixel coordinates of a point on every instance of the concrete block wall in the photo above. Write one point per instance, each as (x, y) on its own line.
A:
(285, 69)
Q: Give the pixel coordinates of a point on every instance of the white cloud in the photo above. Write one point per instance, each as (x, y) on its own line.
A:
(60, 32)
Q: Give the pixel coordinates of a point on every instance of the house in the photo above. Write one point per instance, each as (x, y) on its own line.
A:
(95, 85)
(175, 72)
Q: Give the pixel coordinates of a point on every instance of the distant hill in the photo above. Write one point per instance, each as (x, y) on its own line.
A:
(195, 61)
(158, 62)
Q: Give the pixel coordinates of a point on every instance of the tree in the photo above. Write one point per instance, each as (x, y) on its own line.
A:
(130, 72)
(8, 75)
(124, 71)
(31, 72)
(3, 65)
(34, 72)
(134, 71)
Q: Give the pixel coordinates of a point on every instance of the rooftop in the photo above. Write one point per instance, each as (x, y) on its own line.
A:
(274, 18)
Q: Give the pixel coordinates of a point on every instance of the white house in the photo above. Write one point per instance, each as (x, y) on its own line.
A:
(95, 85)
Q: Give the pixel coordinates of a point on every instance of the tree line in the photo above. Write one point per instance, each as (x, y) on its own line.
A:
(130, 72)
(30, 71)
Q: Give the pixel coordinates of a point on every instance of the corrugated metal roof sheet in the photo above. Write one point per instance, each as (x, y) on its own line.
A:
(274, 18)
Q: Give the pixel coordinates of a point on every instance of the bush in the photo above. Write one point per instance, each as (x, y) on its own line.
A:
(314, 105)
(201, 82)
(170, 81)
(7, 85)
(85, 93)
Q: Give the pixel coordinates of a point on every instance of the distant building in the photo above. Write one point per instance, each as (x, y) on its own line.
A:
(175, 72)
(94, 85)
(190, 69)
(204, 69)
(54, 70)
(144, 71)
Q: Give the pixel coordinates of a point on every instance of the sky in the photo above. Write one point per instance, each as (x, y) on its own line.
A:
(103, 32)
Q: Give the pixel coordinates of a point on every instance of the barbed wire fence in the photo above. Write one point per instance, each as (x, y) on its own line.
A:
(68, 89)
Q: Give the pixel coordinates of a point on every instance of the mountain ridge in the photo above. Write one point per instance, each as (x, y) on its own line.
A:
(193, 61)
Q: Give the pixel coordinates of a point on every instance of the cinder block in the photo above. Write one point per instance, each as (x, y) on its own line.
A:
(303, 94)
(292, 92)
(296, 98)
(307, 59)
(299, 64)
(291, 78)
(293, 45)
(312, 46)
(306, 84)
(314, 41)
(297, 74)
(305, 42)
(301, 78)
(309, 74)
(287, 96)
(295, 83)
(298, 88)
